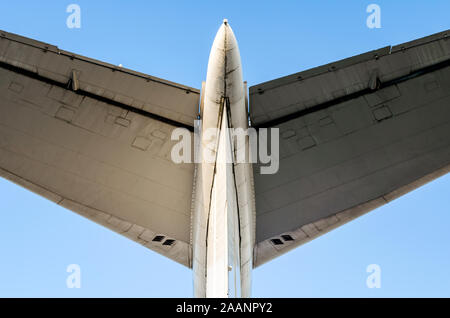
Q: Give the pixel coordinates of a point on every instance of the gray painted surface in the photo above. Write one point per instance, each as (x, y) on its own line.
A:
(99, 159)
(139, 91)
(353, 152)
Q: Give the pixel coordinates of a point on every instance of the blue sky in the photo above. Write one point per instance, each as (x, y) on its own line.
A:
(408, 238)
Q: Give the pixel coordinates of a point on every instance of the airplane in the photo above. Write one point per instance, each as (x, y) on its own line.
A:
(349, 136)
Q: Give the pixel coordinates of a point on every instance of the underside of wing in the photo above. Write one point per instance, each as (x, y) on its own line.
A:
(354, 135)
(95, 138)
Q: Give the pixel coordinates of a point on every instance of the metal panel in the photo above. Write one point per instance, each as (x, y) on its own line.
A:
(151, 96)
(341, 161)
(290, 95)
(106, 163)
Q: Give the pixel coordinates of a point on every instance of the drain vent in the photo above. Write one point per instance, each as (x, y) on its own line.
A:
(277, 241)
(158, 238)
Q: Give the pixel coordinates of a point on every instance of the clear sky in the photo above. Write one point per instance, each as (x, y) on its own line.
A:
(408, 238)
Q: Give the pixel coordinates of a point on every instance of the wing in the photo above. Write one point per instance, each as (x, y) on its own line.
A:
(95, 138)
(354, 135)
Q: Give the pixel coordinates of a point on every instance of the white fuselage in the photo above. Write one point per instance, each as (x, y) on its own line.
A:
(223, 219)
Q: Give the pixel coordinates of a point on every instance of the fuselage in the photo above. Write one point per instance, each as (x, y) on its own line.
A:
(223, 201)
